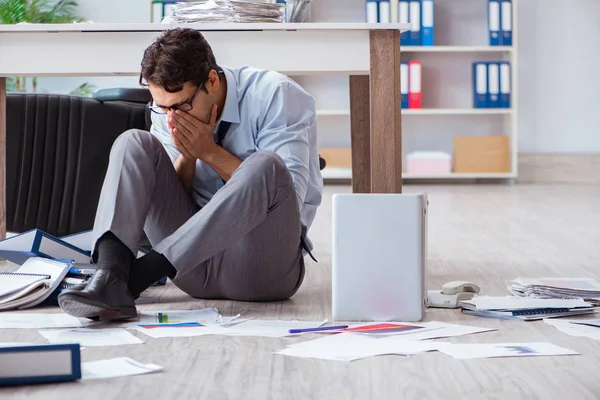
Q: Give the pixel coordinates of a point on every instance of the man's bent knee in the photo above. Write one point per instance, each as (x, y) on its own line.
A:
(134, 141)
(267, 163)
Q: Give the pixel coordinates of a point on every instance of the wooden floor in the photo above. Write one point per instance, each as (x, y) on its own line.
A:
(487, 234)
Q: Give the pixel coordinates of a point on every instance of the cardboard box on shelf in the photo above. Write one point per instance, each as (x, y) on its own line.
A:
(337, 157)
(474, 154)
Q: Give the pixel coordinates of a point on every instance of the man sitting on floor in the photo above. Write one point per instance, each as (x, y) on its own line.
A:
(225, 186)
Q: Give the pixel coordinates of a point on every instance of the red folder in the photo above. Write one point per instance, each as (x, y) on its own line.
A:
(414, 87)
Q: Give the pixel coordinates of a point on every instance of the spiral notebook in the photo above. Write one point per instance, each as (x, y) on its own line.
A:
(531, 315)
(510, 307)
(32, 283)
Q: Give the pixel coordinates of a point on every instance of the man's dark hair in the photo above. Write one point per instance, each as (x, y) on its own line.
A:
(178, 56)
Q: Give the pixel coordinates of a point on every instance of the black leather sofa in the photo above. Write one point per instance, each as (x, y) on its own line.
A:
(57, 155)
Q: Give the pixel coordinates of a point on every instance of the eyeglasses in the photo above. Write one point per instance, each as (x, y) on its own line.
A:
(183, 106)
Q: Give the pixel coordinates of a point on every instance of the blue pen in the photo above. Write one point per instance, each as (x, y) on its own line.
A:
(322, 328)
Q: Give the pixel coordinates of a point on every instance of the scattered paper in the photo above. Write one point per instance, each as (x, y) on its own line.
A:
(38, 321)
(575, 328)
(91, 337)
(115, 367)
(588, 322)
(384, 329)
(443, 330)
(184, 331)
(264, 328)
(350, 347)
(489, 350)
(180, 318)
(269, 328)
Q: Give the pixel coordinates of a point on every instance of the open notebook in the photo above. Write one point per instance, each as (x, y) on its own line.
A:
(32, 283)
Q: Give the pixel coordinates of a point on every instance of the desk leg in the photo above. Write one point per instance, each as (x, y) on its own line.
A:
(360, 133)
(2, 158)
(386, 131)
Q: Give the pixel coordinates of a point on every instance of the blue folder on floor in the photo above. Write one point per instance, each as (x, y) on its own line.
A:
(37, 243)
(39, 363)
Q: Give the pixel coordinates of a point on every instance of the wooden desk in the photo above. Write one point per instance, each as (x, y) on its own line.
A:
(368, 53)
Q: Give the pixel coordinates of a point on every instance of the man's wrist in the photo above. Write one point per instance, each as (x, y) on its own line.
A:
(215, 153)
(185, 160)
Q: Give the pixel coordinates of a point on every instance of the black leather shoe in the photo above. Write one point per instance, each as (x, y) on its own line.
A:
(104, 298)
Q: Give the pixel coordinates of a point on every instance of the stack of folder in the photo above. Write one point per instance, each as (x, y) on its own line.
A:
(500, 22)
(491, 84)
(527, 309)
(419, 13)
(552, 288)
(228, 11)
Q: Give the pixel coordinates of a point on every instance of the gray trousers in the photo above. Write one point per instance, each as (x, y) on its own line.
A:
(245, 244)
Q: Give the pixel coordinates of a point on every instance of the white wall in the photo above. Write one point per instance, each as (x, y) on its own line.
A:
(557, 110)
(560, 76)
(101, 11)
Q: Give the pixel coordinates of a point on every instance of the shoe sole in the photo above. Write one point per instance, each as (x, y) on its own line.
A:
(82, 309)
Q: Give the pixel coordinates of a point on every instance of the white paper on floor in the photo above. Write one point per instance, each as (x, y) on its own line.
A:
(207, 316)
(566, 326)
(91, 337)
(269, 328)
(37, 321)
(264, 328)
(351, 347)
(444, 330)
(115, 367)
(490, 350)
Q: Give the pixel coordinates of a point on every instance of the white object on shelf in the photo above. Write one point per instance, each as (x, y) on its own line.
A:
(428, 162)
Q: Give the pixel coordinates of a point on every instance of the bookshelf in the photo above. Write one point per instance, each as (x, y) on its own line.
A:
(461, 38)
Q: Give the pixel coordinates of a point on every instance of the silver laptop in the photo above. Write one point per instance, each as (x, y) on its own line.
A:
(379, 257)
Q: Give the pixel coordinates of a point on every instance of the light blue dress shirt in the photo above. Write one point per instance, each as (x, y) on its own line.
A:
(267, 111)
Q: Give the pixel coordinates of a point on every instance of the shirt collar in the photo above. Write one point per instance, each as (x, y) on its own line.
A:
(231, 109)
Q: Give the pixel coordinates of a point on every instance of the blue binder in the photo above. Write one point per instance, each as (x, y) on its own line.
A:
(404, 86)
(37, 243)
(403, 18)
(505, 84)
(65, 366)
(493, 85)
(494, 22)
(384, 12)
(414, 12)
(480, 85)
(372, 11)
(506, 22)
(427, 23)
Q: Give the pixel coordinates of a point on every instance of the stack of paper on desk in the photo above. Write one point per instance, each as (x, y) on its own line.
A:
(226, 11)
(547, 288)
(528, 309)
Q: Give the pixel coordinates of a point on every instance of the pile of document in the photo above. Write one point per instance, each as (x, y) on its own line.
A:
(524, 308)
(550, 288)
(226, 11)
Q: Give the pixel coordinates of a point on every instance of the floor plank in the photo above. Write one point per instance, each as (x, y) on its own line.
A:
(488, 234)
